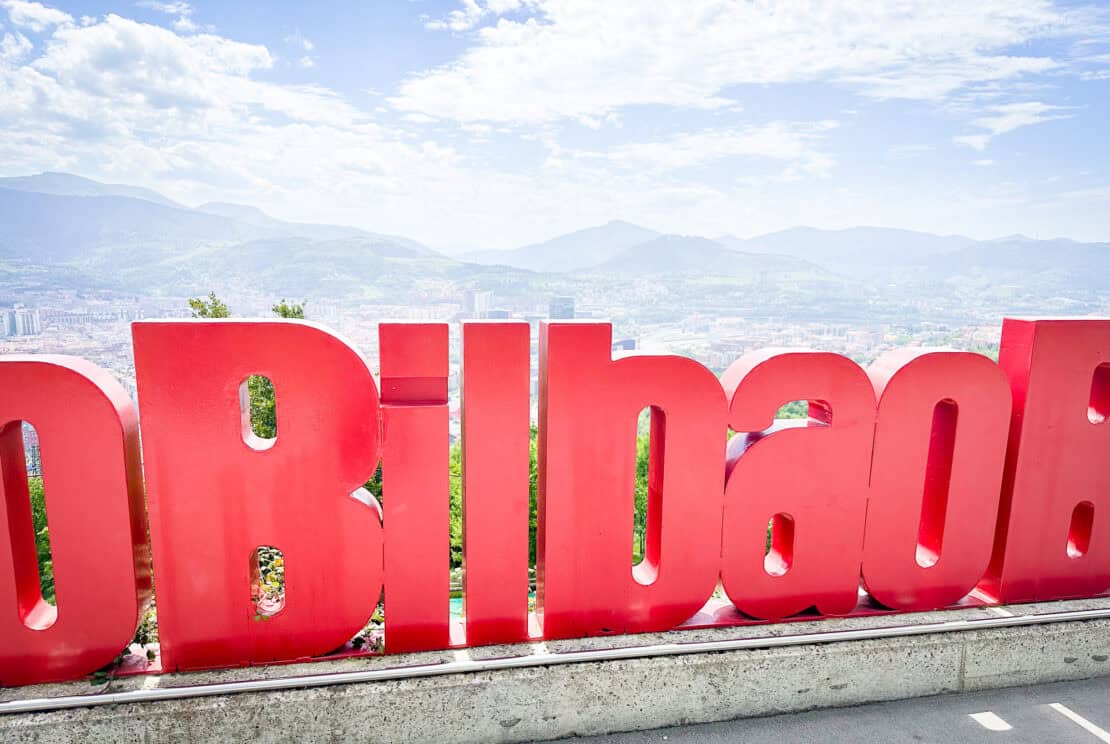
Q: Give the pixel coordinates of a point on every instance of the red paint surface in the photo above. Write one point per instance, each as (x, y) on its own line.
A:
(589, 405)
(935, 476)
(88, 433)
(213, 499)
(495, 407)
(1058, 460)
(415, 452)
(895, 480)
(814, 472)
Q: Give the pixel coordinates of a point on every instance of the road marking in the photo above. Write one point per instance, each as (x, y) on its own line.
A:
(1074, 717)
(990, 721)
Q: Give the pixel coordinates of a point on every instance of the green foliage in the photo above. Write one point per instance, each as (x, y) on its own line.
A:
(42, 537)
(212, 307)
(640, 496)
(374, 485)
(533, 479)
(455, 489)
(795, 409)
(286, 310)
(263, 406)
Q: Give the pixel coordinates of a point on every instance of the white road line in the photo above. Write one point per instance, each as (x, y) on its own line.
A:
(989, 721)
(1068, 713)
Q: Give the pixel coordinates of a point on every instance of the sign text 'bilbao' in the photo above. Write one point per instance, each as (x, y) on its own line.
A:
(930, 479)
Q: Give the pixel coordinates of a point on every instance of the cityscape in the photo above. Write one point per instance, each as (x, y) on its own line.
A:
(684, 295)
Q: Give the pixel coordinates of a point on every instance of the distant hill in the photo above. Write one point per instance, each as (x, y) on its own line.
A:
(267, 226)
(67, 184)
(1033, 265)
(49, 228)
(884, 255)
(60, 231)
(860, 252)
(63, 231)
(57, 218)
(571, 252)
(687, 254)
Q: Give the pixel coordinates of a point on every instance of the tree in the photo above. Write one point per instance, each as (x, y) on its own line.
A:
(212, 307)
(289, 311)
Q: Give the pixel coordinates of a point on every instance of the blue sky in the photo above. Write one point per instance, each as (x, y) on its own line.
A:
(490, 123)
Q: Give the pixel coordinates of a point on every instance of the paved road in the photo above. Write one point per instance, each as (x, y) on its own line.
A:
(1062, 713)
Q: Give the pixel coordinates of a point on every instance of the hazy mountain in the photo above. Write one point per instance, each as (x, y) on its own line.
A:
(67, 184)
(571, 252)
(117, 227)
(1014, 264)
(267, 226)
(687, 254)
(58, 230)
(861, 252)
(1060, 265)
(49, 228)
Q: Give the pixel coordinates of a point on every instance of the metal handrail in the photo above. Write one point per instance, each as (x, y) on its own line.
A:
(38, 705)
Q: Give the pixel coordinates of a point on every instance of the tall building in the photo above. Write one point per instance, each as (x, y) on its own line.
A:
(561, 308)
(478, 303)
(21, 322)
(31, 450)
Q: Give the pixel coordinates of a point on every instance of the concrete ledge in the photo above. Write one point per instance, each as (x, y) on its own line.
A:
(592, 697)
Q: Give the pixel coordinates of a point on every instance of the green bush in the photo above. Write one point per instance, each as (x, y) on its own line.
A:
(42, 538)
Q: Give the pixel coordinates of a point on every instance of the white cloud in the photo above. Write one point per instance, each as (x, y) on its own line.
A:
(784, 142)
(983, 163)
(34, 16)
(183, 10)
(571, 59)
(1008, 117)
(473, 11)
(975, 141)
(298, 40)
(169, 8)
(186, 114)
(14, 47)
(302, 44)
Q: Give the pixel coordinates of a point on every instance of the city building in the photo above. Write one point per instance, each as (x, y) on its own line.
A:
(561, 308)
(21, 322)
(478, 303)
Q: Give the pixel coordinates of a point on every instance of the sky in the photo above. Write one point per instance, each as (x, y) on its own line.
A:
(476, 124)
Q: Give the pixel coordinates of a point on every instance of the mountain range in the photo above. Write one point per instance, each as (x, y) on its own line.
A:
(57, 224)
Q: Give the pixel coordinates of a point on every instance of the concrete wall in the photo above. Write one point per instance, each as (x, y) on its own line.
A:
(595, 697)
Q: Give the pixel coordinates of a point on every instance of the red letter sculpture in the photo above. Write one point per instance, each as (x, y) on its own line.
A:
(589, 406)
(495, 403)
(217, 492)
(1053, 540)
(90, 467)
(808, 479)
(940, 444)
(415, 460)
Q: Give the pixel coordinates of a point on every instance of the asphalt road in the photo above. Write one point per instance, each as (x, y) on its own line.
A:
(1060, 713)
